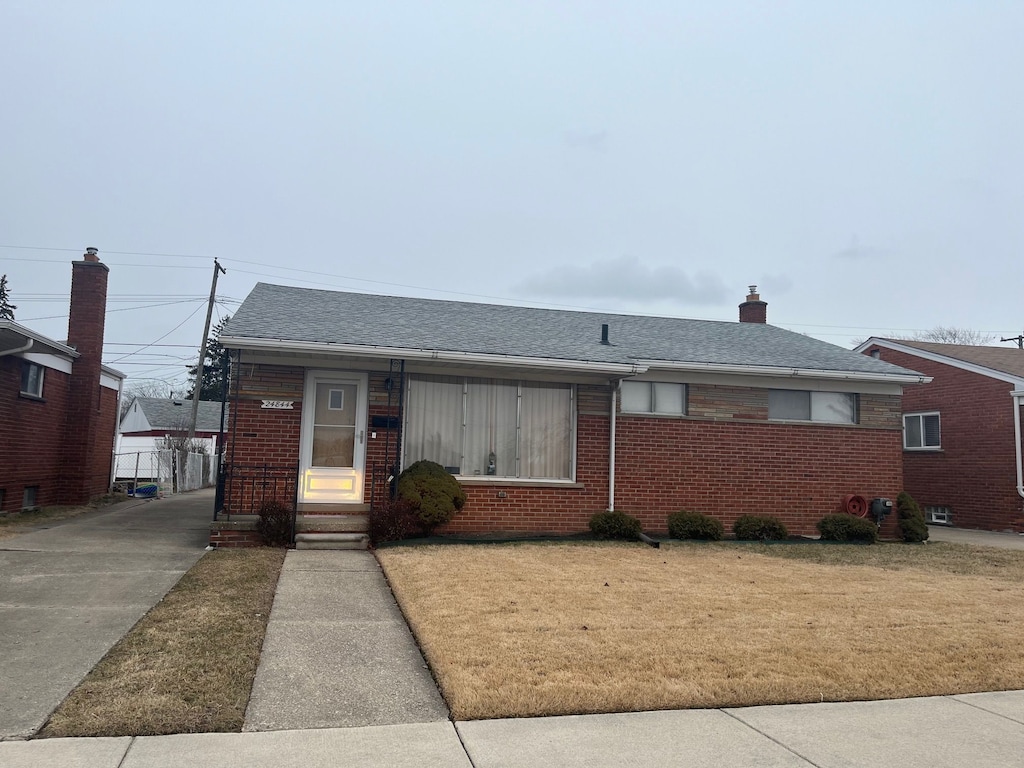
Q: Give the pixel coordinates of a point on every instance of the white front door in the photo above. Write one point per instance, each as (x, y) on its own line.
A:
(333, 437)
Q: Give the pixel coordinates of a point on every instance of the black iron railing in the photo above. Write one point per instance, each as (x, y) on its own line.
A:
(244, 487)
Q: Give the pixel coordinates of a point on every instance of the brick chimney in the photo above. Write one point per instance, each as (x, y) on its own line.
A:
(82, 449)
(753, 310)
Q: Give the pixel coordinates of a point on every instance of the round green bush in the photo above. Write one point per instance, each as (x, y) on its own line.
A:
(615, 525)
(694, 525)
(910, 519)
(846, 527)
(431, 492)
(759, 528)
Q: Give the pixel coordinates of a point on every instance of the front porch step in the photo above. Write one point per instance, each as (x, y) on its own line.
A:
(331, 541)
(306, 523)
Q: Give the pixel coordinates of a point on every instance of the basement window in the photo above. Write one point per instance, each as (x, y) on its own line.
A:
(801, 405)
(30, 497)
(941, 515)
(31, 379)
(655, 397)
(922, 432)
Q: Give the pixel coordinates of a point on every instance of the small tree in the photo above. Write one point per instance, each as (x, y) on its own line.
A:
(912, 525)
(6, 308)
(212, 385)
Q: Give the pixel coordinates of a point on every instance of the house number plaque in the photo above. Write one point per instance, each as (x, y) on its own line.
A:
(278, 405)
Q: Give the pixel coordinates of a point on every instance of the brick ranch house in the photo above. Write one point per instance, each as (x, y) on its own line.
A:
(961, 432)
(58, 403)
(547, 416)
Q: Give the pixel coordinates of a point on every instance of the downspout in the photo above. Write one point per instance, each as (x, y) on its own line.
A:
(611, 447)
(16, 350)
(1018, 396)
(117, 435)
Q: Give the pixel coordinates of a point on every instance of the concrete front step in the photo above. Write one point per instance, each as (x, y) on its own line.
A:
(306, 523)
(331, 541)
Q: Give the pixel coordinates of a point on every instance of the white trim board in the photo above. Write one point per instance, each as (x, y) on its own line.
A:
(935, 357)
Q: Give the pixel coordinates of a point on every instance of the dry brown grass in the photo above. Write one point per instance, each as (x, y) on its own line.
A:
(533, 629)
(188, 665)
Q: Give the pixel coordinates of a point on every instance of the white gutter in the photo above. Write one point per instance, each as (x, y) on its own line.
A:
(771, 370)
(16, 350)
(370, 350)
(1018, 397)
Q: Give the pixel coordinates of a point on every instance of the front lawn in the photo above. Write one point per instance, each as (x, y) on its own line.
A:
(516, 630)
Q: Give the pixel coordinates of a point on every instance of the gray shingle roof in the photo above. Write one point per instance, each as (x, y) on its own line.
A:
(1004, 359)
(284, 313)
(176, 414)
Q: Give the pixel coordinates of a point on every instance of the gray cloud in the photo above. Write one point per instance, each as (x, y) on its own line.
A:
(626, 278)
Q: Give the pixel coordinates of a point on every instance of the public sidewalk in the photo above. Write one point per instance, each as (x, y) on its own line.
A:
(983, 730)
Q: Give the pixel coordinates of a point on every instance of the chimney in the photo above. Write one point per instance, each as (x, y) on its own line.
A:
(83, 477)
(753, 310)
(604, 333)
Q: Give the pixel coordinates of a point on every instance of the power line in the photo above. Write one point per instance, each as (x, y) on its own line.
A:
(130, 354)
(123, 309)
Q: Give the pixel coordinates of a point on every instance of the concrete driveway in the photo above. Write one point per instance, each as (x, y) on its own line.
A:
(69, 591)
(981, 538)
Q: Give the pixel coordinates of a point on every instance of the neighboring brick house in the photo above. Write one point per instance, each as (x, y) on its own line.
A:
(962, 441)
(58, 403)
(548, 416)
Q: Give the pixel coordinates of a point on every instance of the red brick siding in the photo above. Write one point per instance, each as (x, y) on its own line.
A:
(713, 463)
(975, 472)
(33, 436)
(796, 471)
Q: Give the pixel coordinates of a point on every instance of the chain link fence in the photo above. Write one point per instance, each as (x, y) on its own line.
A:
(159, 472)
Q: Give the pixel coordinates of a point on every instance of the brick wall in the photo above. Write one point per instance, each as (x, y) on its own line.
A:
(975, 472)
(33, 432)
(725, 460)
(84, 432)
(260, 437)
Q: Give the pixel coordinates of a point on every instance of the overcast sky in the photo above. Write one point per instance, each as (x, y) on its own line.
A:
(862, 163)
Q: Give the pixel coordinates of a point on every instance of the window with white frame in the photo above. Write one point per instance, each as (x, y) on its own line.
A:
(802, 405)
(659, 397)
(938, 514)
(490, 427)
(921, 432)
(31, 379)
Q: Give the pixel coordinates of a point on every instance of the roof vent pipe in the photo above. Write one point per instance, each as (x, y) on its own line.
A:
(604, 333)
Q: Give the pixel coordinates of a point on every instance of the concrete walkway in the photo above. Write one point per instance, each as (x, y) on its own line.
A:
(338, 652)
(984, 730)
(980, 538)
(71, 589)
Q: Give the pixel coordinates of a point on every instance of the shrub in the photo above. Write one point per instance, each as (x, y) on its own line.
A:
(694, 525)
(432, 493)
(394, 520)
(615, 525)
(910, 519)
(845, 527)
(275, 523)
(759, 528)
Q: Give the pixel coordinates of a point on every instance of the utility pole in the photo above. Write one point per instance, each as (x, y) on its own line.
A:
(1019, 339)
(217, 269)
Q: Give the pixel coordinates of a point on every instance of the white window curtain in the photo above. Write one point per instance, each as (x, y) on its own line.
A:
(526, 428)
(491, 408)
(434, 428)
(546, 432)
